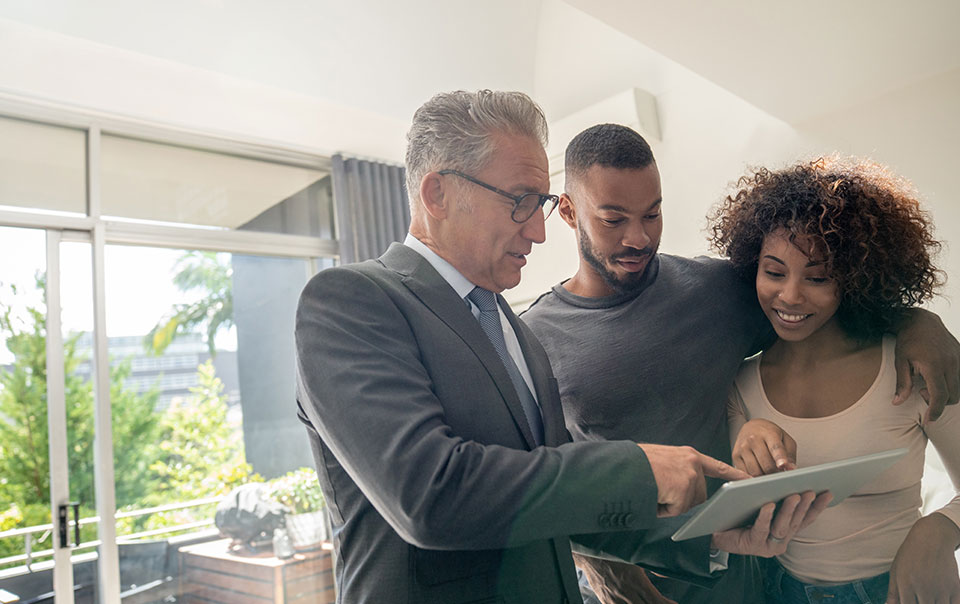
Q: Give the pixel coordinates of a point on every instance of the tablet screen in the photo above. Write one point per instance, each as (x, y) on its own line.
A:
(736, 503)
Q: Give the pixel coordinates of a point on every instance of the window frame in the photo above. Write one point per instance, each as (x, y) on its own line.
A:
(93, 229)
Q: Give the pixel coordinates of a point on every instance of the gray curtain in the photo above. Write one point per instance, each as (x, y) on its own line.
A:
(372, 208)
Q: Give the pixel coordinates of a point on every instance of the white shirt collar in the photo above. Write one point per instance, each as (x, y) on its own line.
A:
(457, 281)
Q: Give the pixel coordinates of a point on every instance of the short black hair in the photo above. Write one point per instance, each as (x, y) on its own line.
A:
(607, 145)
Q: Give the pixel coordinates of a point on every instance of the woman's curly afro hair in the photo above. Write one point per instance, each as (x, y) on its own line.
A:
(866, 222)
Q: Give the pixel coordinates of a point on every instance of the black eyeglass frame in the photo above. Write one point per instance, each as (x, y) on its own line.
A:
(542, 198)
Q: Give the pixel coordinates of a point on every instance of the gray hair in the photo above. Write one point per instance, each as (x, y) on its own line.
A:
(453, 130)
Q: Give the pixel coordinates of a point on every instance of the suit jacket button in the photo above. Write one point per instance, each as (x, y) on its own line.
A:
(627, 519)
(604, 520)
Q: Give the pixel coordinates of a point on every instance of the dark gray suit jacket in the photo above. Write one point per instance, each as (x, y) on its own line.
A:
(425, 457)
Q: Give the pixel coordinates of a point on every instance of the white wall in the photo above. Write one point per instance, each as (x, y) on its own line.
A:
(382, 56)
(915, 131)
(709, 136)
(50, 66)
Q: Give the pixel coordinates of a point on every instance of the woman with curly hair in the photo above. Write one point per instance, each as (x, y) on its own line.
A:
(839, 249)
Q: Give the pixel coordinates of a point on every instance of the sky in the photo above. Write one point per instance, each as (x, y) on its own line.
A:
(138, 284)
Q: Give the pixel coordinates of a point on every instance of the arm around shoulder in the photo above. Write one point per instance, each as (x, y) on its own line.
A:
(925, 347)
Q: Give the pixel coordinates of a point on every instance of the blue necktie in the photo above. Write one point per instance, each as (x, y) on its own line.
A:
(486, 301)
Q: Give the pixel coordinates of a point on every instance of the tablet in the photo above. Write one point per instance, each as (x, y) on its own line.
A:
(736, 503)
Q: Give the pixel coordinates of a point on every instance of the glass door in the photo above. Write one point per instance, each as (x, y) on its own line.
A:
(48, 544)
(199, 386)
(202, 400)
(131, 396)
(76, 301)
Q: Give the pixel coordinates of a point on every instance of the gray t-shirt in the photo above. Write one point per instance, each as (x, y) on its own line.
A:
(655, 365)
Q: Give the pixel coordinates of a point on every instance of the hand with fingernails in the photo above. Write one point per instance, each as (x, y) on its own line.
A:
(679, 473)
(763, 447)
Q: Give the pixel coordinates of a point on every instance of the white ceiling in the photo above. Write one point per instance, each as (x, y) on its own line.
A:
(794, 60)
(346, 51)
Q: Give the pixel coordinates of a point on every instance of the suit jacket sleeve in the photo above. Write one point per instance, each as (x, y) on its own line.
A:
(366, 392)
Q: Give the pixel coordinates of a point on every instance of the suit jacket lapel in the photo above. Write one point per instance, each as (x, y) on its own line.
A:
(437, 295)
(540, 371)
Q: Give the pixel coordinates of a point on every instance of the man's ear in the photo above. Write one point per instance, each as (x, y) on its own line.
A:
(567, 211)
(436, 198)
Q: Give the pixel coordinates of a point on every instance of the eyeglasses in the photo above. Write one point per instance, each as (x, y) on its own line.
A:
(524, 206)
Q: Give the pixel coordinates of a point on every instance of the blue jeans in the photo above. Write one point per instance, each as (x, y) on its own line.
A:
(782, 588)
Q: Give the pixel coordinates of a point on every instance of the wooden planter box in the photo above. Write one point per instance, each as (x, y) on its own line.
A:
(209, 573)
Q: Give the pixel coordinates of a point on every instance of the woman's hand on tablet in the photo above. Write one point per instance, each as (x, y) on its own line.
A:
(763, 447)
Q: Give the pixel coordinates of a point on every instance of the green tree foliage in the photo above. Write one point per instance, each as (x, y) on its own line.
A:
(188, 452)
(25, 461)
(23, 431)
(201, 454)
(24, 473)
(24, 440)
(197, 271)
(136, 437)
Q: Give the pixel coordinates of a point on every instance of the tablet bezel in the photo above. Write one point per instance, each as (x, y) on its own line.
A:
(736, 503)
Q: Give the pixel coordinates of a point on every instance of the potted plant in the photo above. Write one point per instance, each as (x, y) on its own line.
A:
(300, 492)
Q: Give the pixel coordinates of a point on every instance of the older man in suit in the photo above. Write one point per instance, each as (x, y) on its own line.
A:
(433, 414)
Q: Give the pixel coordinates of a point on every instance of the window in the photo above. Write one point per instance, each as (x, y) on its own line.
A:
(193, 411)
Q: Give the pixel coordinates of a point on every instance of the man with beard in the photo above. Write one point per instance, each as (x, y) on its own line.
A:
(645, 345)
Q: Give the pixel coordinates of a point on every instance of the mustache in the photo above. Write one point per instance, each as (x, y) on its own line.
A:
(633, 252)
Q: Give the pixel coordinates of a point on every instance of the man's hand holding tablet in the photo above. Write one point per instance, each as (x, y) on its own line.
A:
(679, 473)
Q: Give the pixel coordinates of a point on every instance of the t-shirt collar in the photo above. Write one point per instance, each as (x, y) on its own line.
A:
(616, 299)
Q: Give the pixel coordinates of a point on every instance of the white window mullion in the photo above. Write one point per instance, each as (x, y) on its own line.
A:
(104, 485)
(57, 422)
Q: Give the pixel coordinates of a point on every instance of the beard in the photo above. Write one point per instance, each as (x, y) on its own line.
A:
(626, 284)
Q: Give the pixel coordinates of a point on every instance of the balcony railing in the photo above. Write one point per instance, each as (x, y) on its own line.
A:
(29, 557)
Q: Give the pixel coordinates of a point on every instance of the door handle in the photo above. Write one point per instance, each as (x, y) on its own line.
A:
(63, 523)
